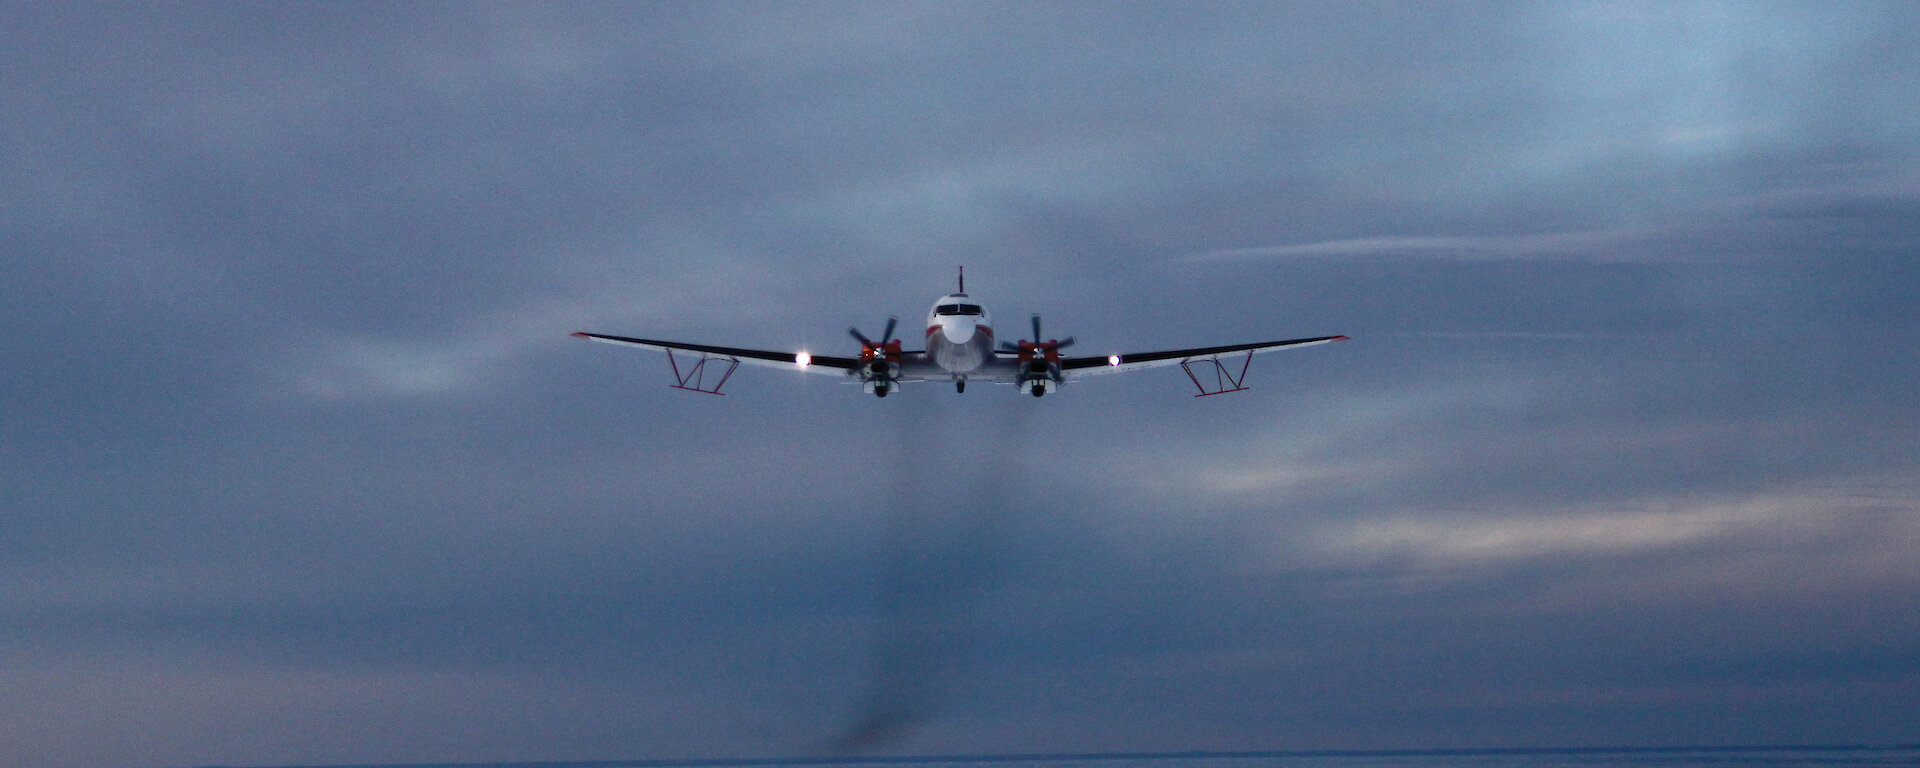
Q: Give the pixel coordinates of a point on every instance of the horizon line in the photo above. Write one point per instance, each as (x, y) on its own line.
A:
(1029, 757)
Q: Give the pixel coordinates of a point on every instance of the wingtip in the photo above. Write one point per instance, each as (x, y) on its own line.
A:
(1336, 338)
(581, 334)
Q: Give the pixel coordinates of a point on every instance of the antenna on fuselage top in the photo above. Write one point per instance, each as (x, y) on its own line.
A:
(963, 278)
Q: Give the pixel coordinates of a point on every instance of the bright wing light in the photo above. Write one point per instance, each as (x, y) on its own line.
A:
(1113, 360)
(803, 359)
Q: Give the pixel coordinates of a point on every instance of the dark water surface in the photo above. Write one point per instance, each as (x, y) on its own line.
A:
(1662, 757)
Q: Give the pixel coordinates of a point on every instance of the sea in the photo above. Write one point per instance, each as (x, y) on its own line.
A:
(1634, 757)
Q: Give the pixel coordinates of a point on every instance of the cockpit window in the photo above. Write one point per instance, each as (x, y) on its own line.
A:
(957, 309)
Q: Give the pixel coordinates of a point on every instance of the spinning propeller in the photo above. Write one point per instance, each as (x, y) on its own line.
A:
(1048, 350)
(887, 347)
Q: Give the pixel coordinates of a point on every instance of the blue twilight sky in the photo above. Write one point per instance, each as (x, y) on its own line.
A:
(299, 465)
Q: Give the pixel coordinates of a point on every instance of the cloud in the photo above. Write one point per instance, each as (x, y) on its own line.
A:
(1784, 520)
(296, 435)
(1591, 245)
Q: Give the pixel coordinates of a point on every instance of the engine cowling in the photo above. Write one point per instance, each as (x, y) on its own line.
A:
(1039, 361)
(879, 360)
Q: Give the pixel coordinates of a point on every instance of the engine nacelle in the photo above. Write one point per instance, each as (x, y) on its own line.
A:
(879, 369)
(1039, 376)
(879, 377)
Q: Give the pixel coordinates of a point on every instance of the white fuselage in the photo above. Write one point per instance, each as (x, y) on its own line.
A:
(959, 335)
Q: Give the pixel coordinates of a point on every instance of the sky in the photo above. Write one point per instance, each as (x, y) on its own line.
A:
(300, 466)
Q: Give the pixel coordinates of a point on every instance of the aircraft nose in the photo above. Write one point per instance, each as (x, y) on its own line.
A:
(957, 330)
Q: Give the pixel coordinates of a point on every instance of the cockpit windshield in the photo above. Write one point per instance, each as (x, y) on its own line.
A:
(957, 309)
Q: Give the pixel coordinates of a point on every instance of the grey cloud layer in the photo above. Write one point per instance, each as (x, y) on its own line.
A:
(1622, 453)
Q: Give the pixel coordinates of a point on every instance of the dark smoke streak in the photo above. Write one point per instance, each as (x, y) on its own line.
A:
(953, 481)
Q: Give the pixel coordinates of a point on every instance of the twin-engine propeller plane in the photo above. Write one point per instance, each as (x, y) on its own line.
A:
(960, 348)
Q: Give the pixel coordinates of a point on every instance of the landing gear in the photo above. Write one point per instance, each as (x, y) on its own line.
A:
(1039, 390)
(881, 391)
(960, 385)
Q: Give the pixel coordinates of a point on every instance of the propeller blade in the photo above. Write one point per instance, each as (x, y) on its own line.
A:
(1063, 343)
(1036, 329)
(887, 335)
(857, 335)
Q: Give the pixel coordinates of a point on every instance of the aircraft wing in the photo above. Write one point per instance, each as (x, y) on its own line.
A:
(789, 360)
(1089, 366)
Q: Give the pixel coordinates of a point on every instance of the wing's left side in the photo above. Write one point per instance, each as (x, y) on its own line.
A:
(789, 360)
(1089, 366)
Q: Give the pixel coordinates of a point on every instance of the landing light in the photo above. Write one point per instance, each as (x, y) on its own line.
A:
(1113, 360)
(803, 359)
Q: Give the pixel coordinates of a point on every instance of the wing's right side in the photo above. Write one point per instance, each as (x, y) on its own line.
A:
(1088, 366)
(800, 361)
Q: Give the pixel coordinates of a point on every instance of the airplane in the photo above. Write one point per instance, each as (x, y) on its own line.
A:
(960, 347)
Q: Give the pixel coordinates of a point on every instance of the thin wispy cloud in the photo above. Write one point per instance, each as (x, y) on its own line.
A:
(1607, 246)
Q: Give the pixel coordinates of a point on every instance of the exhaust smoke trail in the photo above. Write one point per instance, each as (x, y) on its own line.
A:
(943, 542)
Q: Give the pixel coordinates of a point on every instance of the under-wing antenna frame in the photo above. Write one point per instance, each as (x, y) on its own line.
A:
(694, 380)
(1224, 380)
